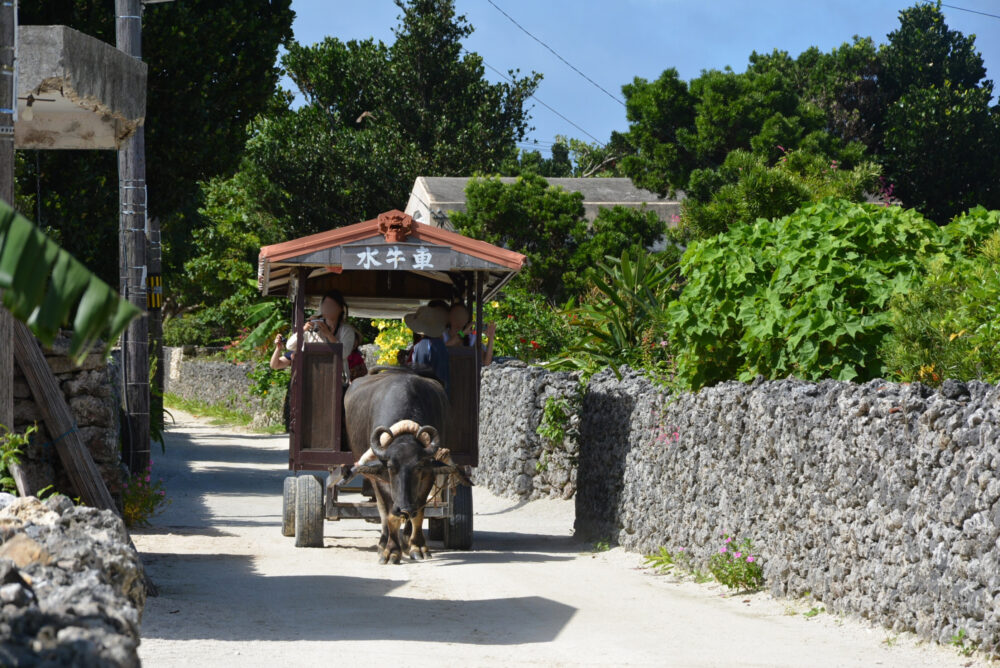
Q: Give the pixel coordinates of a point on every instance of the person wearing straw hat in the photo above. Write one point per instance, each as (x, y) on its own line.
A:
(430, 351)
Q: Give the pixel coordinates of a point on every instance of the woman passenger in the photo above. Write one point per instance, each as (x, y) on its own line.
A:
(459, 331)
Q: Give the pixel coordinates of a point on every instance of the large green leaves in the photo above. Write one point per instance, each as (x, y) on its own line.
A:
(46, 287)
(804, 295)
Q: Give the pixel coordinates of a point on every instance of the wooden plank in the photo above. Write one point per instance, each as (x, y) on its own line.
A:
(75, 457)
(343, 510)
(321, 460)
(297, 288)
(322, 406)
(20, 479)
(397, 257)
(6, 367)
(463, 432)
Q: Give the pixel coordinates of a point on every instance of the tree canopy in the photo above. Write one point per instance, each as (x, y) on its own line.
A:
(919, 106)
(374, 117)
(547, 224)
(211, 70)
(378, 115)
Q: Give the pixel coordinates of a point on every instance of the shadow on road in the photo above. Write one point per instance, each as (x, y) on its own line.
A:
(332, 607)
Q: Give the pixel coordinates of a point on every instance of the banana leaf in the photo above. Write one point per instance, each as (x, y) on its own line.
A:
(45, 287)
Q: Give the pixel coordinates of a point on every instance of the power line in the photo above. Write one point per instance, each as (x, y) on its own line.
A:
(535, 98)
(961, 9)
(569, 64)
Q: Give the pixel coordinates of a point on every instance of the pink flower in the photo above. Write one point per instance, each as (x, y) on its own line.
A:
(681, 550)
(722, 550)
(738, 555)
(728, 539)
(162, 493)
(664, 343)
(147, 478)
(749, 560)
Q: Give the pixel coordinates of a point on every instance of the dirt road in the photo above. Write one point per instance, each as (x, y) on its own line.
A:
(235, 592)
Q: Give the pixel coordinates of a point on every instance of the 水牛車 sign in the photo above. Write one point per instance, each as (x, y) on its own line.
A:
(399, 256)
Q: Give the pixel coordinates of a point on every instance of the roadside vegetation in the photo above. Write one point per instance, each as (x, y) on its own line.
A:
(826, 231)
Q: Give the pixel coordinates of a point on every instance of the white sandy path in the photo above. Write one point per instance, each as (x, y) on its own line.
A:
(234, 592)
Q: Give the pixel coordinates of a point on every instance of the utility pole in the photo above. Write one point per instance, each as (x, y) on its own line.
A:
(133, 267)
(8, 103)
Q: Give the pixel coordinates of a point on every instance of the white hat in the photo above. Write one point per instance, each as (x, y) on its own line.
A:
(427, 321)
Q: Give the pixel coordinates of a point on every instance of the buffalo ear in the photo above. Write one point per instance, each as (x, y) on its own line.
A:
(456, 472)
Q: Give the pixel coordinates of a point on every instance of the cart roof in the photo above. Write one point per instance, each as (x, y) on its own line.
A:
(387, 266)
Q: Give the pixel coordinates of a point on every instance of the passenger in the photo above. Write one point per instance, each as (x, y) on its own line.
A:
(430, 351)
(329, 326)
(460, 332)
(404, 357)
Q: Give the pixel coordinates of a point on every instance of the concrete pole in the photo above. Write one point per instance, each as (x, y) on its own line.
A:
(133, 261)
(8, 102)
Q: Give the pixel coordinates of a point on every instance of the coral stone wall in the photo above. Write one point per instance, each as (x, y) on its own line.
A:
(880, 499)
(219, 383)
(513, 459)
(90, 392)
(71, 586)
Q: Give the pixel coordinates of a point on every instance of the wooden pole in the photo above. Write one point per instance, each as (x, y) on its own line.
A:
(59, 422)
(8, 102)
(133, 262)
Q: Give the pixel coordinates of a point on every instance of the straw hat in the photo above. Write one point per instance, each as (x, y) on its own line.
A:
(427, 321)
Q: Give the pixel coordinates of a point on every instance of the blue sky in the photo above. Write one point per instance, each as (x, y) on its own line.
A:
(612, 41)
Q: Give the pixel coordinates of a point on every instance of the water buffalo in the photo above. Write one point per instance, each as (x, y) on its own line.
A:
(401, 417)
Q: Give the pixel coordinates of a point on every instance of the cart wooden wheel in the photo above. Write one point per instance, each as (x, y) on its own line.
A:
(458, 527)
(288, 507)
(309, 512)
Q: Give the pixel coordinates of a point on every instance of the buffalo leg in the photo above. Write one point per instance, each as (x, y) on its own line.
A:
(383, 540)
(404, 537)
(418, 546)
(392, 553)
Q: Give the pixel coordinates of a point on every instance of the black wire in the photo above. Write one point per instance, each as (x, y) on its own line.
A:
(962, 9)
(508, 80)
(569, 64)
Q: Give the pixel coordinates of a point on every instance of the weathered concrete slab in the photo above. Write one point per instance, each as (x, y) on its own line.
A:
(86, 94)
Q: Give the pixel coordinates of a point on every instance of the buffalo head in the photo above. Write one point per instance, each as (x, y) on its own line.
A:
(410, 456)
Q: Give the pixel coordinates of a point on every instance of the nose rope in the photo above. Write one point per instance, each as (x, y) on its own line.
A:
(434, 490)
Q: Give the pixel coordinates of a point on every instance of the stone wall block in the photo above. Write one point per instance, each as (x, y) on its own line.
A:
(91, 411)
(83, 594)
(61, 365)
(26, 412)
(88, 391)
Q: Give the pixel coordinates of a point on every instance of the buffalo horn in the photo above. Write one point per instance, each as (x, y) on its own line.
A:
(428, 435)
(376, 443)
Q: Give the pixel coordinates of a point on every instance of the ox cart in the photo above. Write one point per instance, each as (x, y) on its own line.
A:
(384, 268)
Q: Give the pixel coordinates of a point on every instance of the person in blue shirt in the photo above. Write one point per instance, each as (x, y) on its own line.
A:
(430, 351)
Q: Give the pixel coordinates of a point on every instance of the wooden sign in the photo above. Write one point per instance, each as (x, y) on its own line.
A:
(401, 257)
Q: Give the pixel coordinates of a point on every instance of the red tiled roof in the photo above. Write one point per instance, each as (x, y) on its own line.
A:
(421, 232)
